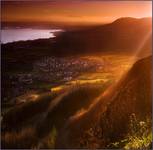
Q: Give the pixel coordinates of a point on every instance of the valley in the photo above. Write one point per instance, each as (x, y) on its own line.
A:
(53, 74)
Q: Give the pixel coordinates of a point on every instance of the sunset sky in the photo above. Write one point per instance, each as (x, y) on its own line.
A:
(73, 11)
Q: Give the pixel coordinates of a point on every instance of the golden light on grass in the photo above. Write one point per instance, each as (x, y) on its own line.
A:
(56, 89)
(34, 96)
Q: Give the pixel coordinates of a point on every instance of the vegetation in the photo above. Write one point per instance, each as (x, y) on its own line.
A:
(38, 123)
(138, 137)
(74, 99)
(18, 116)
(108, 120)
(49, 141)
(28, 121)
(19, 139)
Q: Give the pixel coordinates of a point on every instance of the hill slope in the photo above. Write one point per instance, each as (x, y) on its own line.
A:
(40, 116)
(109, 117)
(78, 110)
(122, 35)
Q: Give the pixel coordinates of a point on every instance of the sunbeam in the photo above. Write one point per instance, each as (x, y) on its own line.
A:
(141, 46)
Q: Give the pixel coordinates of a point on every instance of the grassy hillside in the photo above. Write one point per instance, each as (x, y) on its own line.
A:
(108, 119)
(86, 116)
(29, 124)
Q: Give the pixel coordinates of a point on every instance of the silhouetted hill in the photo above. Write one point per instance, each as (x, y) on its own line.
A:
(110, 115)
(122, 35)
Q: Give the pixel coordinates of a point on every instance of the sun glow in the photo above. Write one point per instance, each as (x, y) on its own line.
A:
(74, 12)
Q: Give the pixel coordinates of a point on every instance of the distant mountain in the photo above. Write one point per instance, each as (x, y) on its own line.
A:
(111, 113)
(122, 35)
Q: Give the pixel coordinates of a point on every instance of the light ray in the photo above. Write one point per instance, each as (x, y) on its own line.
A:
(140, 47)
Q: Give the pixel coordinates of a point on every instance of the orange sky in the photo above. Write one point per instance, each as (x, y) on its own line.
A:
(74, 11)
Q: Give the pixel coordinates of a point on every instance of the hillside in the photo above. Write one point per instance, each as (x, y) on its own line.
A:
(122, 35)
(68, 115)
(109, 118)
(49, 111)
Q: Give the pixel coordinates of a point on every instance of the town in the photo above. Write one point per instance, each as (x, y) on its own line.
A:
(62, 69)
(50, 71)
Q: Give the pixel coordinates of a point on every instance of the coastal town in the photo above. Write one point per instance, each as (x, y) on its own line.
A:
(52, 71)
(62, 69)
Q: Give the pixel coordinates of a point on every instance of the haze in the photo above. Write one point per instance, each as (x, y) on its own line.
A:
(73, 12)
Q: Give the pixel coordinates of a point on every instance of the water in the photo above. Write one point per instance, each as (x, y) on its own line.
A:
(11, 35)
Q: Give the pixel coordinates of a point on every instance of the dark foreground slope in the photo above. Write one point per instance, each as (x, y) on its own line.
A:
(25, 126)
(108, 119)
